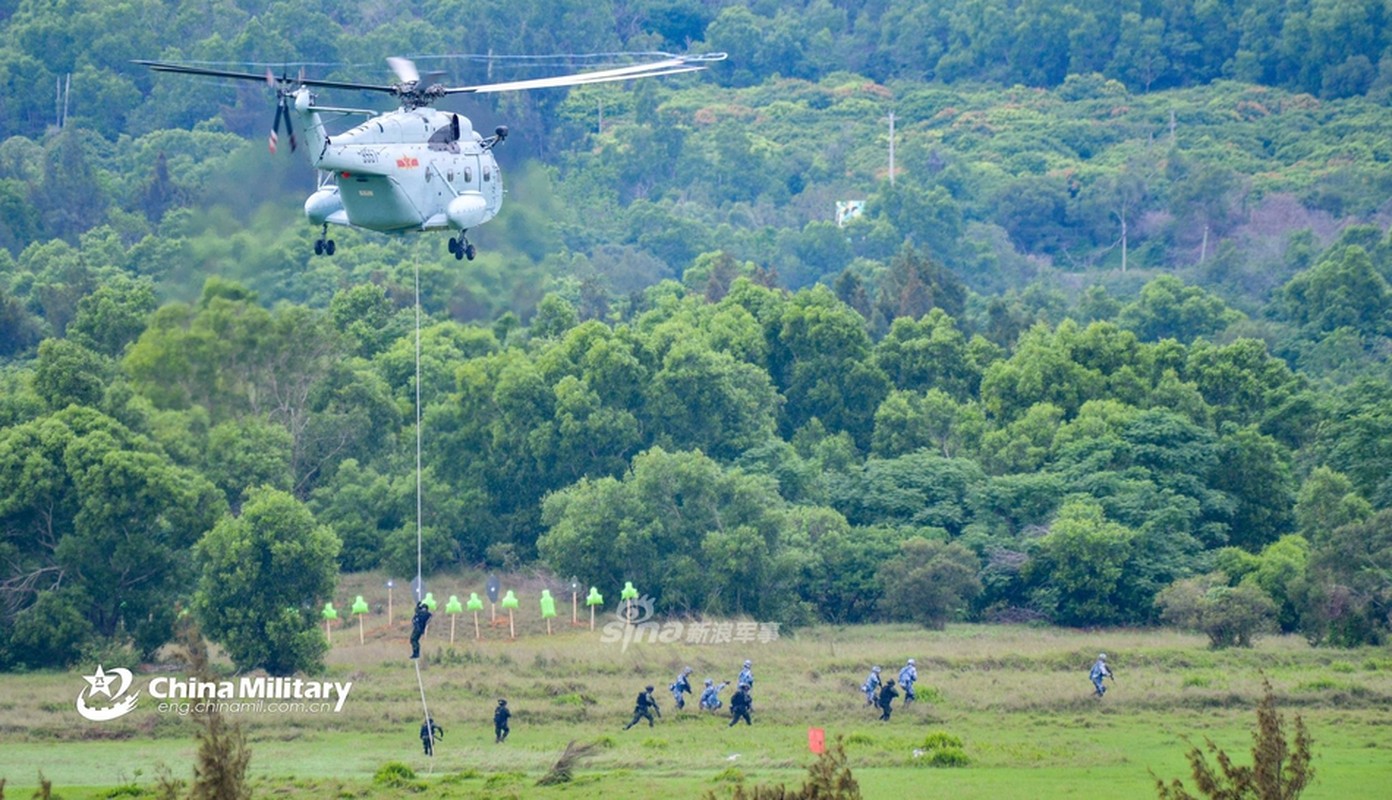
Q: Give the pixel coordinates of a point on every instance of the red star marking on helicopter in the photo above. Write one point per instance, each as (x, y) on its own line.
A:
(406, 162)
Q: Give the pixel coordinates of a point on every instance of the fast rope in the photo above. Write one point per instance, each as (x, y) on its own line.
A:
(419, 585)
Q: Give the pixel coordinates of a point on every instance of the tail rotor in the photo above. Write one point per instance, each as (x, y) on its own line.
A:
(284, 89)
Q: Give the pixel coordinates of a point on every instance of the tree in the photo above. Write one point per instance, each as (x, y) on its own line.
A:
(930, 582)
(68, 373)
(696, 535)
(247, 453)
(1079, 567)
(1167, 309)
(1229, 615)
(918, 490)
(19, 329)
(1254, 471)
(907, 421)
(1343, 290)
(50, 633)
(113, 315)
(706, 400)
(823, 365)
(928, 353)
(1348, 599)
(1327, 501)
(265, 575)
(70, 199)
(98, 512)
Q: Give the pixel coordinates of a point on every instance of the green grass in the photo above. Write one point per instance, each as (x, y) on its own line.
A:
(1017, 698)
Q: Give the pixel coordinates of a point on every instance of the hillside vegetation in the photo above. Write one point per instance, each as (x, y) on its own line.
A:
(1110, 345)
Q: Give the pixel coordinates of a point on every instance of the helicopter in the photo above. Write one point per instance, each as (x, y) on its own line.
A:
(416, 168)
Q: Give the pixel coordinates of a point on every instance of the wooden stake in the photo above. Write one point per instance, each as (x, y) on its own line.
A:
(477, 635)
(452, 616)
(512, 631)
(360, 629)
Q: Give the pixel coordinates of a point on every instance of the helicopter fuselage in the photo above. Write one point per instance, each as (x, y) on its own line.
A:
(409, 170)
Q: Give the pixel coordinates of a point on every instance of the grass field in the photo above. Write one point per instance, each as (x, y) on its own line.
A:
(1017, 697)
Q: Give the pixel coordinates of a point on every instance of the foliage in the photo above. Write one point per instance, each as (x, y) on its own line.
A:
(1347, 600)
(694, 534)
(930, 582)
(1229, 615)
(1137, 268)
(1080, 566)
(828, 778)
(1281, 769)
(395, 775)
(220, 769)
(264, 575)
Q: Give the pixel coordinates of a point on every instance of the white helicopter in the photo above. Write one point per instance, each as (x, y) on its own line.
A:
(416, 168)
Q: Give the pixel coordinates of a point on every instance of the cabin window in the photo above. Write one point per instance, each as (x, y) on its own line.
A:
(451, 176)
(468, 175)
(487, 175)
(427, 175)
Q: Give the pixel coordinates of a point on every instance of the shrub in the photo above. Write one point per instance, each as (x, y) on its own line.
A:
(938, 740)
(949, 757)
(1280, 769)
(1229, 615)
(394, 775)
(828, 778)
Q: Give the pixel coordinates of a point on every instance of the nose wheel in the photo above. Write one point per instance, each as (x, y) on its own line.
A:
(461, 248)
(324, 246)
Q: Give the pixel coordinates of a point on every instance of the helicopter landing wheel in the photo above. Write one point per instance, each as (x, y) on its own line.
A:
(329, 247)
(453, 245)
(318, 247)
(469, 251)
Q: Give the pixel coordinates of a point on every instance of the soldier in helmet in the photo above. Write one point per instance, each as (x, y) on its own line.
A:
(710, 696)
(500, 722)
(681, 687)
(429, 732)
(746, 675)
(1099, 671)
(418, 623)
(643, 708)
(871, 686)
(908, 676)
(740, 706)
(886, 699)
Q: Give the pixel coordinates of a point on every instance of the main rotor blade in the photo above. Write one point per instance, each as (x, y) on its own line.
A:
(161, 66)
(404, 68)
(670, 66)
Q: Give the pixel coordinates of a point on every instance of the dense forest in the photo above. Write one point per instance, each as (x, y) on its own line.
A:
(1108, 345)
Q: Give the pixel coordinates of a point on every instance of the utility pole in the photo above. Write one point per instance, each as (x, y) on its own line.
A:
(891, 148)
